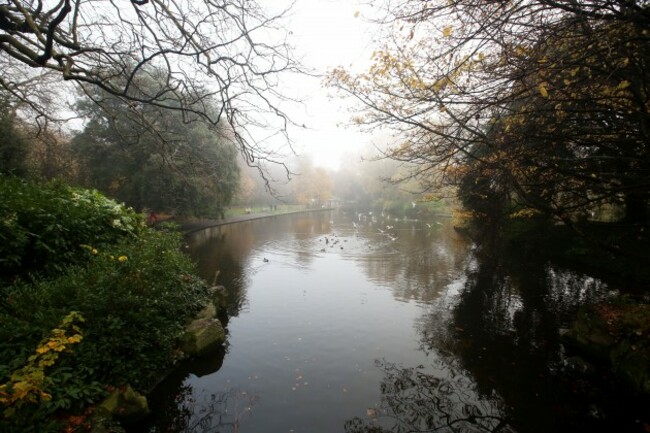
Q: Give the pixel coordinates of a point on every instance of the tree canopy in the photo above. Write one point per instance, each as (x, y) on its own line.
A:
(178, 164)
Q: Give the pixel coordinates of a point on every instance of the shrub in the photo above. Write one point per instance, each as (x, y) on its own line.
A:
(133, 286)
(135, 296)
(42, 227)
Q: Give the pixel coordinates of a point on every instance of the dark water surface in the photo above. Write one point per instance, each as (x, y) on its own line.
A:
(354, 322)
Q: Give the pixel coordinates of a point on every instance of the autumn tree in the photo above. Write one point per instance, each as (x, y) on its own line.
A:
(224, 54)
(543, 103)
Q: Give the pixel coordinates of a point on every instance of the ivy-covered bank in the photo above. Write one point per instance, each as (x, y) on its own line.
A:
(91, 300)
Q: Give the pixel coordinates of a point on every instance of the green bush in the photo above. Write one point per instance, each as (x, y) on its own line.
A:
(134, 295)
(132, 285)
(42, 227)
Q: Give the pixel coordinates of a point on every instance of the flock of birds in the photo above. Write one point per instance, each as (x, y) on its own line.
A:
(369, 219)
(334, 242)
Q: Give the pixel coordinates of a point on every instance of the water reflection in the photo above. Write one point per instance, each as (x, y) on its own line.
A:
(416, 401)
(361, 322)
(503, 331)
(205, 412)
(414, 259)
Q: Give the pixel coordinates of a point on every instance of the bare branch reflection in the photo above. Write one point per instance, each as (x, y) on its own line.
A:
(205, 413)
(417, 401)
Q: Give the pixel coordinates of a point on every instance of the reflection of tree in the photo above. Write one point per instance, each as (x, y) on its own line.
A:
(419, 263)
(217, 254)
(178, 408)
(414, 401)
(226, 249)
(504, 332)
(216, 412)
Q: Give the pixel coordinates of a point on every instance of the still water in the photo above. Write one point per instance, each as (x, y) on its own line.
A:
(356, 322)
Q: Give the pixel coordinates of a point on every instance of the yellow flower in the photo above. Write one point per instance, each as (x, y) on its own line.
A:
(94, 251)
(122, 258)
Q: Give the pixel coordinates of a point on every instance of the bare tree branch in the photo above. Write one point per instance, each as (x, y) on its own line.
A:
(215, 53)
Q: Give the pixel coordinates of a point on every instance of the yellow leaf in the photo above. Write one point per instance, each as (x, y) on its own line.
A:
(74, 339)
(624, 85)
(446, 32)
(356, 14)
(543, 91)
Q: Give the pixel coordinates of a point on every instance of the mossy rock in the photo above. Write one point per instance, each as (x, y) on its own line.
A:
(125, 405)
(202, 336)
(219, 296)
(208, 312)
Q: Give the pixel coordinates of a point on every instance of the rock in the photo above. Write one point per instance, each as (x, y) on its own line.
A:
(219, 296)
(202, 336)
(124, 405)
(209, 312)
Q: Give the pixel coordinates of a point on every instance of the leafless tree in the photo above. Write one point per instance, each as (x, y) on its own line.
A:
(221, 59)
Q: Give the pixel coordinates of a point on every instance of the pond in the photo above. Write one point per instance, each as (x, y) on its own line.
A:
(357, 322)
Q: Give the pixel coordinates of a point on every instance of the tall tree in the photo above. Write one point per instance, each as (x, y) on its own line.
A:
(178, 165)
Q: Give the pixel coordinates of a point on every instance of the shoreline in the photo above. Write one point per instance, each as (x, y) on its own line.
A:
(187, 227)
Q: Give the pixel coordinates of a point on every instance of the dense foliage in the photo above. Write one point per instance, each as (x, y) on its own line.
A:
(130, 286)
(185, 166)
(42, 229)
